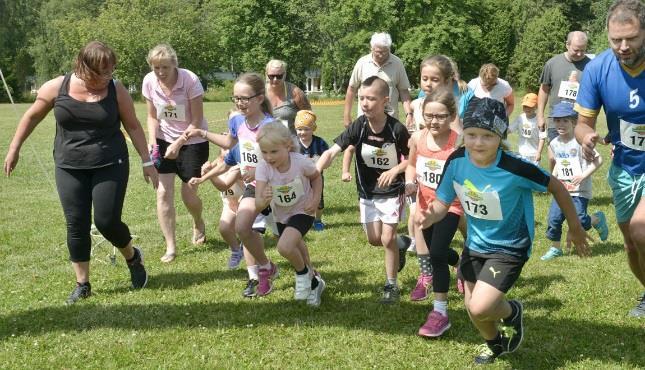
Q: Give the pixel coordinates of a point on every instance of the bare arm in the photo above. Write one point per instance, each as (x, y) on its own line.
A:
(32, 117)
(586, 135)
(346, 175)
(509, 101)
(327, 157)
(411, 170)
(543, 98)
(407, 108)
(350, 95)
(300, 99)
(152, 123)
(436, 211)
(219, 169)
(316, 189)
(263, 195)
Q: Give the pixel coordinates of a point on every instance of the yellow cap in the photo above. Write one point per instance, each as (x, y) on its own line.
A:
(305, 118)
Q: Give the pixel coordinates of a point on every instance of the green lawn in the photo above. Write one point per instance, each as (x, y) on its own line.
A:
(192, 314)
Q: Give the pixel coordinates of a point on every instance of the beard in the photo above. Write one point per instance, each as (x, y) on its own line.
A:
(635, 59)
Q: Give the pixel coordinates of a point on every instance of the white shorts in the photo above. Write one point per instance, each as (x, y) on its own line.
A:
(386, 210)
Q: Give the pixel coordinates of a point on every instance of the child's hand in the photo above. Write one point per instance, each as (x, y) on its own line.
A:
(311, 206)
(171, 152)
(192, 133)
(424, 218)
(248, 175)
(267, 195)
(576, 180)
(580, 240)
(387, 178)
(346, 177)
(207, 166)
(195, 181)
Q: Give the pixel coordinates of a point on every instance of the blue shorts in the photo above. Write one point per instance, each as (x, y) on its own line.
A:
(627, 191)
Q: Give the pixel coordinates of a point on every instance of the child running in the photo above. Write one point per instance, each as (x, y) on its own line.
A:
(313, 147)
(494, 189)
(429, 150)
(575, 173)
(530, 140)
(250, 100)
(292, 185)
(381, 144)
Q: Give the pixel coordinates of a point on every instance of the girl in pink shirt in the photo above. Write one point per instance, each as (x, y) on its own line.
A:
(291, 183)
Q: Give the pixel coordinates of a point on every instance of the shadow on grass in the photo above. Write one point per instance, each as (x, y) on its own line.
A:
(341, 209)
(601, 200)
(606, 248)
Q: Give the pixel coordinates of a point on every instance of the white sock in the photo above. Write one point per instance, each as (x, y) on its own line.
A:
(253, 272)
(441, 307)
(391, 281)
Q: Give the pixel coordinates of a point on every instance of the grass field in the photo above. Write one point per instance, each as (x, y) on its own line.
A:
(192, 314)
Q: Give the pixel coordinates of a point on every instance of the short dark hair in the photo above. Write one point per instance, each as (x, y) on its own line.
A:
(625, 11)
(382, 86)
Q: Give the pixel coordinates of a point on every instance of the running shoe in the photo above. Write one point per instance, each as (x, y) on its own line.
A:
(436, 324)
(601, 227)
(460, 286)
(319, 225)
(639, 310)
(138, 274)
(412, 249)
(315, 295)
(420, 291)
(552, 253)
(403, 242)
(80, 292)
(249, 290)
(391, 294)
(266, 279)
(512, 329)
(303, 287)
(236, 258)
(488, 354)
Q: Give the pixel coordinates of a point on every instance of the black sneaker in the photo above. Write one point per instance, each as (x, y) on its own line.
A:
(512, 329)
(403, 242)
(80, 292)
(488, 354)
(138, 274)
(249, 291)
(391, 294)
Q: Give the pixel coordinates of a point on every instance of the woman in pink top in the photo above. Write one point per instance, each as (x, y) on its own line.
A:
(429, 150)
(174, 98)
(291, 183)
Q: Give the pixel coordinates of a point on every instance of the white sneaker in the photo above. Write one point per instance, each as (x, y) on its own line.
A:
(413, 247)
(303, 287)
(316, 294)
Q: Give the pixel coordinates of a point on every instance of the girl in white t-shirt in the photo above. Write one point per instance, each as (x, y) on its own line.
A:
(292, 185)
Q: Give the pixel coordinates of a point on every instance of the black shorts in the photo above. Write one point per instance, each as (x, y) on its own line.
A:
(497, 269)
(188, 163)
(300, 222)
(249, 192)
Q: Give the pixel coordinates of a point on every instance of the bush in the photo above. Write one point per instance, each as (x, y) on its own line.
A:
(219, 92)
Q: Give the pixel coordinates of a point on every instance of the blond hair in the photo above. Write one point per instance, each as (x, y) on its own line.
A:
(276, 63)
(488, 70)
(162, 52)
(275, 133)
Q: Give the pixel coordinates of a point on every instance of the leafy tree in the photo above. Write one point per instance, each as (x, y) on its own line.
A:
(544, 37)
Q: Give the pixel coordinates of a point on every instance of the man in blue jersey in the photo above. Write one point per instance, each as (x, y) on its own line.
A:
(615, 81)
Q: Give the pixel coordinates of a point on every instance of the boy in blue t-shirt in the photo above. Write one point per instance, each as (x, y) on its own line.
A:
(495, 190)
(312, 146)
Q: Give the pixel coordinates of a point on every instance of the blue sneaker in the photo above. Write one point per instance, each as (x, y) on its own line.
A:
(552, 253)
(318, 225)
(601, 227)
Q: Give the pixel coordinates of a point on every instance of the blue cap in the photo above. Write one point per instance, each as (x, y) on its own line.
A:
(563, 109)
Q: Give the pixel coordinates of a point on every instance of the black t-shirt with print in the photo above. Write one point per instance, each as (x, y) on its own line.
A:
(381, 150)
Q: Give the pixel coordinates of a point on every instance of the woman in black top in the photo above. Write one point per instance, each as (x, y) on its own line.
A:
(91, 157)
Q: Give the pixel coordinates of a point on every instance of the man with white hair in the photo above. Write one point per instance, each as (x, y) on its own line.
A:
(380, 62)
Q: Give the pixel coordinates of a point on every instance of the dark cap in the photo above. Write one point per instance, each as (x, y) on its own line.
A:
(486, 113)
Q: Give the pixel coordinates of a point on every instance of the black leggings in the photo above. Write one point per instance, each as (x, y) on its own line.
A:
(438, 238)
(105, 188)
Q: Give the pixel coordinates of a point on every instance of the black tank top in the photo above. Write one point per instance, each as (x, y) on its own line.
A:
(88, 134)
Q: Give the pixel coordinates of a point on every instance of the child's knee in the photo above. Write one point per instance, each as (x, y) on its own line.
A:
(478, 310)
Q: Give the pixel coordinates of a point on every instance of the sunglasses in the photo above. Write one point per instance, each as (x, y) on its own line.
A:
(276, 77)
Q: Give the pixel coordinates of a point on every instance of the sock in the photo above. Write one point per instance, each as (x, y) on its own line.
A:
(314, 283)
(441, 307)
(495, 344)
(424, 264)
(87, 283)
(318, 220)
(267, 266)
(513, 313)
(236, 249)
(253, 272)
(134, 257)
(304, 271)
(391, 281)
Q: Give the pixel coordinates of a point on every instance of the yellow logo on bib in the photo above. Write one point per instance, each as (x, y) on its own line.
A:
(471, 191)
(566, 163)
(248, 145)
(170, 108)
(432, 165)
(379, 152)
(284, 189)
(640, 129)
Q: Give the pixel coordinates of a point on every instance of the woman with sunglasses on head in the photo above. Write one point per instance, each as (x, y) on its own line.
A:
(91, 157)
(174, 97)
(286, 98)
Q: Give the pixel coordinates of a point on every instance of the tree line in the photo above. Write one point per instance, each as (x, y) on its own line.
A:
(39, 38)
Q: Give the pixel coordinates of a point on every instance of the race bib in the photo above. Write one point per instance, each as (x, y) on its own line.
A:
(632, 135)
(429, 171)
(234, 192)
(478, 204)
(568, 90)
(288, 194)
(382, 158)
(568, 168)
(249, 154)
(527, 131)
(172, 112)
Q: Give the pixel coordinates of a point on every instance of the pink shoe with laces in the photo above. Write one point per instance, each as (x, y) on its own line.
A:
(420, 291)
(266, 279)
(435, 325)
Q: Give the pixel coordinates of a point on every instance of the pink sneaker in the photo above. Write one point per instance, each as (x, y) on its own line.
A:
(460, 286)
(420, 291)
(435, 325)
(266, 277)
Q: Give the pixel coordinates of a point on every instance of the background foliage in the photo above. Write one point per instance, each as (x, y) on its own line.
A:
(39, 38)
